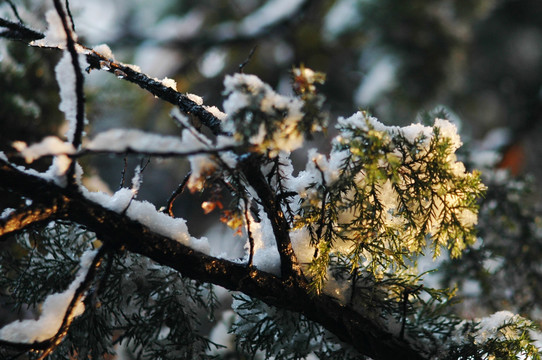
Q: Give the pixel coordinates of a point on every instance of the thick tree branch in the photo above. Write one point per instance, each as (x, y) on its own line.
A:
(22, 218)
(118, 230)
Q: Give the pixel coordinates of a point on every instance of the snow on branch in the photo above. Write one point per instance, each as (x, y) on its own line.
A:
(48, 146)
(122, 140)
(209, 116)
(116, 229)
(57, 314)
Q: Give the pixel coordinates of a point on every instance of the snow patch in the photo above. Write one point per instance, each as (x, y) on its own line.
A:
(50, 145)
(53, 311)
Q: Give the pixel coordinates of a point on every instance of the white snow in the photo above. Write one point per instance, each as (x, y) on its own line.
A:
(212, 62)
(493, 327)
(65, 76)
(411, 133)
(145, 213)
(216, 112)
(121, 140)
(50, 145)
(5, 213)
(137, 180)
(105, 51)
(53, 311)
(170, 83)
(266, 255)
(195, 98)
(55, 36)
(248, 92)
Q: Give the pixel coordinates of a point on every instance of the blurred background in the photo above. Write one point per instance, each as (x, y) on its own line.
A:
(481, 60)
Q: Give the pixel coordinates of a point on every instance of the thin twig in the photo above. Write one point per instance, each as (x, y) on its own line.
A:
(249, 57)
(354, 281)
(142, 166)
(321, 222)
(14, 9)
(155, 87)
(70, 14)
(100, 283)
(123, 173)
(177, 192)
(406, 293)
(283, 195)
(18, 31)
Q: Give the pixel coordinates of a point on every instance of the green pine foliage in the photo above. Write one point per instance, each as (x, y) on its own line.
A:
(148, 309)
(431, 196)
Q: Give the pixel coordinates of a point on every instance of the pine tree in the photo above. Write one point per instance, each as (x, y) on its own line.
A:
(329, 250)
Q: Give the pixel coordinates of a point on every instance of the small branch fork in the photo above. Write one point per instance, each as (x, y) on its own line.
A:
(289, 266)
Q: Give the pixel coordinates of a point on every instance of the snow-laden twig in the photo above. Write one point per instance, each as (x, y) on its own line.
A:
(79, 81)
(40, 335)
(98, 61)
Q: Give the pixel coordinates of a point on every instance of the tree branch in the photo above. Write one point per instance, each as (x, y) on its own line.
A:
(25, 217)
(118, 230)
(155, 87)
(47, 346)
(289, 265)
(18, 31)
